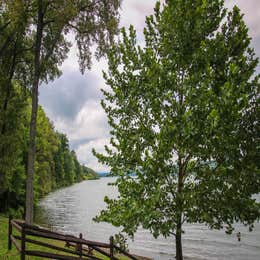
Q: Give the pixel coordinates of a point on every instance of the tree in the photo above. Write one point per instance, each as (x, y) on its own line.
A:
(55, 165)
(93, 22)
(78, 168)
(13, 141)
(184, 113)
(46, 148)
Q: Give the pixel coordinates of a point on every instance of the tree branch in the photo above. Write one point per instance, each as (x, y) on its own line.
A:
(51, 49)
(172, 233)
(4, 26)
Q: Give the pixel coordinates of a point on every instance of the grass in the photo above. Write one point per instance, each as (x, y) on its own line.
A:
(4, 253)
(13, 254)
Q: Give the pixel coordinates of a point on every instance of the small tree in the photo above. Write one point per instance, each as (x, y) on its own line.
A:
(184, 113)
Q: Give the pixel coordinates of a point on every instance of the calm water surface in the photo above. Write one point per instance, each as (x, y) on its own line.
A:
(71, 210)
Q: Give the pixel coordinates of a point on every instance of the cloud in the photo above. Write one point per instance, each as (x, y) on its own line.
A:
(88, 124)
(134, 12)
(91, 121)
(84, 153)
(251, 9)
(65, 97)
(72, 102)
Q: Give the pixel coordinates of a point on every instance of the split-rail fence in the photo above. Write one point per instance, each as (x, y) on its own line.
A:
(75, 248)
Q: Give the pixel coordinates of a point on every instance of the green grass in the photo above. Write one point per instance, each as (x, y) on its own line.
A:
(4, 253)
(13, 254)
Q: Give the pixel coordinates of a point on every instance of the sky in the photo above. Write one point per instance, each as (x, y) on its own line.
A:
(72, 102)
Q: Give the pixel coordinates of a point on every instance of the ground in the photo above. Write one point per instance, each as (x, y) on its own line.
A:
(13, 254)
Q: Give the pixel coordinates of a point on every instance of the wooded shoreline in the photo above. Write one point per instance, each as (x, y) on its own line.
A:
(57, 165)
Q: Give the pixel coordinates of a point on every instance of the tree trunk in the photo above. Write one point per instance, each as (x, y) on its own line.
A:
(31, 152)
(178, 241)
(179, 207)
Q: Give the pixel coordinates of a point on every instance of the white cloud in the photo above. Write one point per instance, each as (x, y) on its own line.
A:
(251, 9)
(134, 12)
(90, 123)
(84, 153)
(79, 97)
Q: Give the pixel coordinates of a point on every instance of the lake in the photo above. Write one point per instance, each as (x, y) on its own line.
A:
(71, 210)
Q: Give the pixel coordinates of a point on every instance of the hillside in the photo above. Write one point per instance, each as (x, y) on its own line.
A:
(89, 174)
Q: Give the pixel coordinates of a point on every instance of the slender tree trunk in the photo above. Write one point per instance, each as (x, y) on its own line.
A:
(179, 205)
(178, 241)
(31, 152)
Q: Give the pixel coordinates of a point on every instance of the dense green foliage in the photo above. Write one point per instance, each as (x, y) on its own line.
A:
(184, 112)
(56, 165)
(34, 43)
(89, 174)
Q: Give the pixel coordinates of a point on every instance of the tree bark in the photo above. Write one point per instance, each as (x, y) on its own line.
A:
(179, 205)
(178, 241)
(31, 152)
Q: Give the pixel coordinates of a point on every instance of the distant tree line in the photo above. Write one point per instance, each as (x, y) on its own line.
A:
(55, 166)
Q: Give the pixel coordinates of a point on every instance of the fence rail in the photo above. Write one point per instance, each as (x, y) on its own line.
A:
(82, 248)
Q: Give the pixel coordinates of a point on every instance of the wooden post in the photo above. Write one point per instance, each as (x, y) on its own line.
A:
(10, 230)
(80, 246)
(111, 240)
(23, 242)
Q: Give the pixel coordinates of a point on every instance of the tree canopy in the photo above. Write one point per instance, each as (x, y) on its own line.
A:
(42, 27)
(33, 43)
(184, 113)
(56, 165)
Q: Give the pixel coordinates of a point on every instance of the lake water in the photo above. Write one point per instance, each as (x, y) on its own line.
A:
(71, 210)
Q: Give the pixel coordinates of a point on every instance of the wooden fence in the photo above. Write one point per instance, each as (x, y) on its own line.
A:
(81, 248)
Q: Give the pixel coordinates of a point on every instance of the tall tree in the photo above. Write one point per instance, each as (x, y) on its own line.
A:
(78, 169)
(13, 141)
(46, 147)
(92, 22)
(184, 113)
(14, 62)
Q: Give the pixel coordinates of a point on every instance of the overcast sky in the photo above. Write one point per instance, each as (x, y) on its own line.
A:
(72, 102)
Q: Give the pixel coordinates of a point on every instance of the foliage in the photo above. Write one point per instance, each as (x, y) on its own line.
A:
(55, 166)
(92, 23)
(13, 142)
(89, 174)
(121, 241)
(15, 255)
(184, 113)
(34, 35)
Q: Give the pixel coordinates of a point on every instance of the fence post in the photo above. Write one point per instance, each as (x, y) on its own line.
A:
(23, 242)
(111, 240)
(10, 230)
(80, 246)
